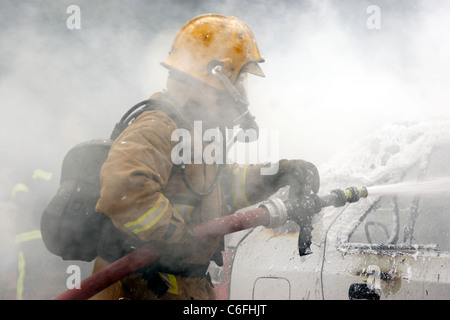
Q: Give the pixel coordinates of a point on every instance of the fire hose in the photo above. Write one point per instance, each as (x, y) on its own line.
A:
(271, 213)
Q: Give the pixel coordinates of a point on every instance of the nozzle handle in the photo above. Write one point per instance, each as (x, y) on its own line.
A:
(302, 210)
(305, 237)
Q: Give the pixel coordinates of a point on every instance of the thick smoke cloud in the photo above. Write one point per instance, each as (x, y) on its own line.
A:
(329, 78)
(332, 80)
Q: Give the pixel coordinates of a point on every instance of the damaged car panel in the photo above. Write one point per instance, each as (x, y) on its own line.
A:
(392, 245)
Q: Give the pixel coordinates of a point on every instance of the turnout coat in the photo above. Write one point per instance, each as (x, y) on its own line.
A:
(144, 194)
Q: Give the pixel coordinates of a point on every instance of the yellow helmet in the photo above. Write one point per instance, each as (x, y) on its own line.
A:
(212, 39)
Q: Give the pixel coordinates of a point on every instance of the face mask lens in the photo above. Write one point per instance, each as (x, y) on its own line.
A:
(234, 102)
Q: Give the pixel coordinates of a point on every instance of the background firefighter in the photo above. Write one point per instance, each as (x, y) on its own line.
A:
(150, 200)
(40, 275)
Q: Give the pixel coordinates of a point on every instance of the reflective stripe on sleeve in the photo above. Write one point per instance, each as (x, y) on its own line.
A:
(27, 236)
(151, 217)
(41, 174)
(238, 187)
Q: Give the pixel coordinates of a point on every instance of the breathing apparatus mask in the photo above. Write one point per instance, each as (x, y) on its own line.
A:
(234, 102)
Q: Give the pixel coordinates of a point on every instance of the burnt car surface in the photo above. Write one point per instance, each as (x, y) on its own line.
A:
(392, 245)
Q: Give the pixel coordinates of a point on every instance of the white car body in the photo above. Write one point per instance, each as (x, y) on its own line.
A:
(363, 250)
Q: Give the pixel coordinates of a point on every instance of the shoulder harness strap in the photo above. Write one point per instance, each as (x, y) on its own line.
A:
(141, 107)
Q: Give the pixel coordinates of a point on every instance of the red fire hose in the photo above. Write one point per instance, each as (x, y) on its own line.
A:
(149, 253)
(273, 213)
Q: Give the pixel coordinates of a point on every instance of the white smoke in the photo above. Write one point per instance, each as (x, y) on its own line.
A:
(329, 79)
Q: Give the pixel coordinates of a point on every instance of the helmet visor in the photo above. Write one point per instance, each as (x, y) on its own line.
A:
(253, 68)
(241, 83)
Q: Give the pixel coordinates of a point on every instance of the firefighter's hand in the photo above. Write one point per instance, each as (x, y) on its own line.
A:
(301, 210)
(303, 207)
(179, 249)
(171, 254)
(302, 177)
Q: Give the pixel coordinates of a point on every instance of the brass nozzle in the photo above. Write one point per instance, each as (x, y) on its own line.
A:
(353, 194)
(363, 193)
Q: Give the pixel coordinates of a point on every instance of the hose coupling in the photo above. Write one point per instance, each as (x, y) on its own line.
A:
(278, 213)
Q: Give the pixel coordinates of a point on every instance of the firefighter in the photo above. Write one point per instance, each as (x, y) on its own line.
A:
(40, 274)
(151, 199)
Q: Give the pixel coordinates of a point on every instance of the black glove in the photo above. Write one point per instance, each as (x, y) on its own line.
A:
(304, 181)
(173, 252)
(302, 177)
(171, 256)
